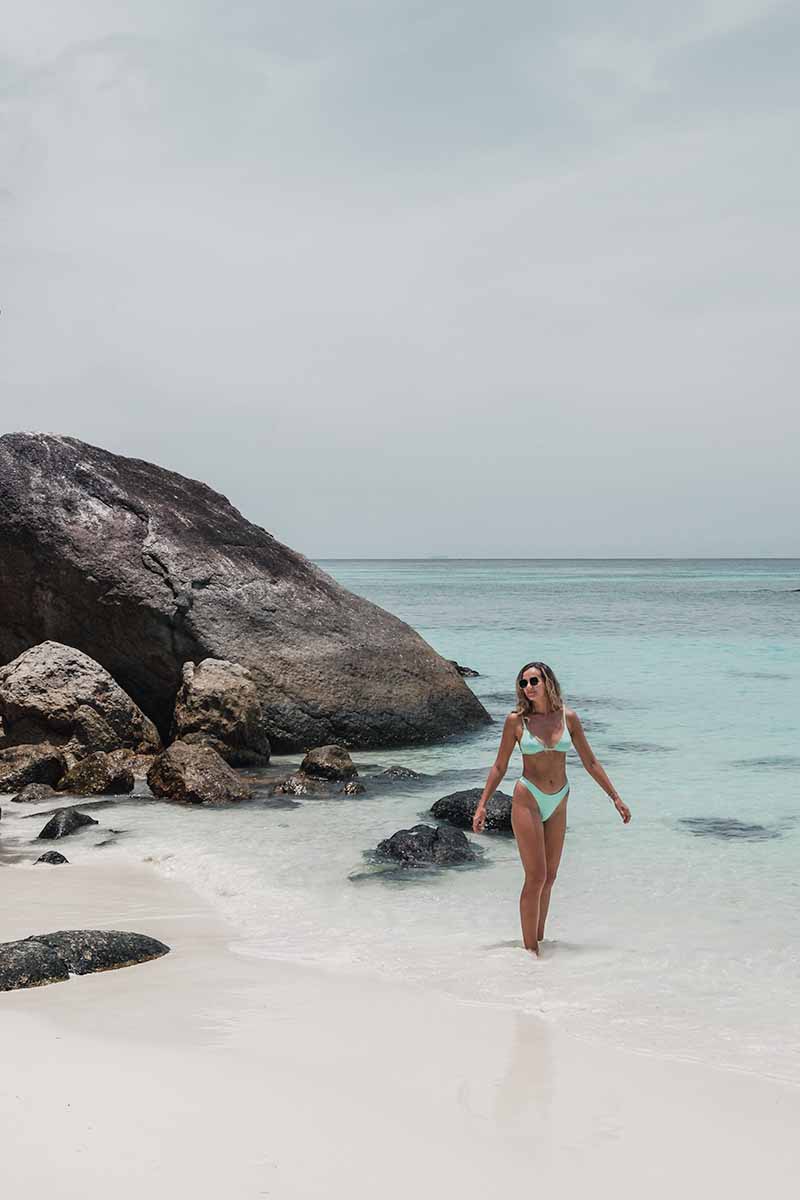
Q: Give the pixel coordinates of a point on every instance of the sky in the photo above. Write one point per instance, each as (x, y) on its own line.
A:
(408, 279)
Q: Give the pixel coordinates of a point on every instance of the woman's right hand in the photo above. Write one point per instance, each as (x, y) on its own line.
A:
(479, 819)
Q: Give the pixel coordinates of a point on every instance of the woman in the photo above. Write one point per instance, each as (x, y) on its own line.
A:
(544, 728)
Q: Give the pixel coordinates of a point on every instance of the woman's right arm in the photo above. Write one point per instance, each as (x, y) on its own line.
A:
(498, 771)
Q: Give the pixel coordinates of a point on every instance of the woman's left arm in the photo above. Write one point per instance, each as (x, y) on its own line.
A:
(593, 766)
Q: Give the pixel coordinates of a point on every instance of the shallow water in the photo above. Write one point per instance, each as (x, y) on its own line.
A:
(676, 934)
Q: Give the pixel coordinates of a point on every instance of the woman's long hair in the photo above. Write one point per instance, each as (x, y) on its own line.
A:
(552, 690)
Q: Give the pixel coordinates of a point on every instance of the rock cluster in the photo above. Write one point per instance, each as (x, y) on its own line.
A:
(325, 771)
(145, 570)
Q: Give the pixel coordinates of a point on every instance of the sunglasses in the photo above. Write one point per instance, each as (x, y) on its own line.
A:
(531, 681)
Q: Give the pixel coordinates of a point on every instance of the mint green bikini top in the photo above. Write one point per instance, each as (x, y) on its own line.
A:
(529, 743)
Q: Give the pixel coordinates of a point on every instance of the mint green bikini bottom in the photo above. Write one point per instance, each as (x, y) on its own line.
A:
(548, 801)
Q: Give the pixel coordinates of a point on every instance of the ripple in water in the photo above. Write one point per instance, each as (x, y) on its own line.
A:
(727, 828)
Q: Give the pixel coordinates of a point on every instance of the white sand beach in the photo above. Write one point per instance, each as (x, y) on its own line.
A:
(207, 1073)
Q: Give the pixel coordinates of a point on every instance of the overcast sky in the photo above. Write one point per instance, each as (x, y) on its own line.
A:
(416, 278)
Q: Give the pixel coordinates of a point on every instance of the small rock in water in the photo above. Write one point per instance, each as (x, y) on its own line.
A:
(64, 822)
(458, 808)
(396, 772)
(53, 857)
(424, 844)
(329, 762)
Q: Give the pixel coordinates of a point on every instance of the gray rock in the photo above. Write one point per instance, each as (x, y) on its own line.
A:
(217, 705)
(145, 570)
(195, 775)
(53, 857)
(424, 845)
(21, 765)
(398, 774)
(459, 808)
(54, 693)
(65, 821)
(34, 793)
(53, 957)
(98, 774)
(329, 762)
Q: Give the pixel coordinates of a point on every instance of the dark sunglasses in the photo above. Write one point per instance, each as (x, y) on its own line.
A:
(531, 681)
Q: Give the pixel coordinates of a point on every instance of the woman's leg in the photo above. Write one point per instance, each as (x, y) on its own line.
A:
(526, 821)
(554, 830)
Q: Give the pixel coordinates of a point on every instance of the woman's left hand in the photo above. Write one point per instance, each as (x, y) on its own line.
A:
(623, 810)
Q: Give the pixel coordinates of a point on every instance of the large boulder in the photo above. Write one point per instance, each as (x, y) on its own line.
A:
(458, 808)
(21, 765)
(53, 957)
(55, 693)
(145, 570)
(98, 775)
(217, 705)
(424, 845)
(195, 775)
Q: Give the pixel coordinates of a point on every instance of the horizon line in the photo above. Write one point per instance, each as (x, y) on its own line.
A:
(555, 558)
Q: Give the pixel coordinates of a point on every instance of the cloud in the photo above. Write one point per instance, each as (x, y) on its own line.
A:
(389, 276)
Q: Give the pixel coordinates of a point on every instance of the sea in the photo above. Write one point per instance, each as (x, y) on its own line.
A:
(676, 935)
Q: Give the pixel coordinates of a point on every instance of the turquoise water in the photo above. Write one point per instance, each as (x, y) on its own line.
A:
(675, 935)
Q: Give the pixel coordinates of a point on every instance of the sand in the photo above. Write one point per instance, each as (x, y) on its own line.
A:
(207, 1073)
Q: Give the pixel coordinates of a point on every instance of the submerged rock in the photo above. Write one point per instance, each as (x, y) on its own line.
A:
(458, 808)
(329, 762)
(195, 775)
(98, 775)
(424, 844)
(53, 957)
(54, 693)
(53, 857)
(21, 765)
(145, 570)
(65, 821)
(301, 784)
(400, 774)
(218, 706)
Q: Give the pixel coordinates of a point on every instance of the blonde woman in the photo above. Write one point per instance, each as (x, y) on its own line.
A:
(544, 728)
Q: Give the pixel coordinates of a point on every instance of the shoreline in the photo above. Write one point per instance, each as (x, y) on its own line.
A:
(211, 1069)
